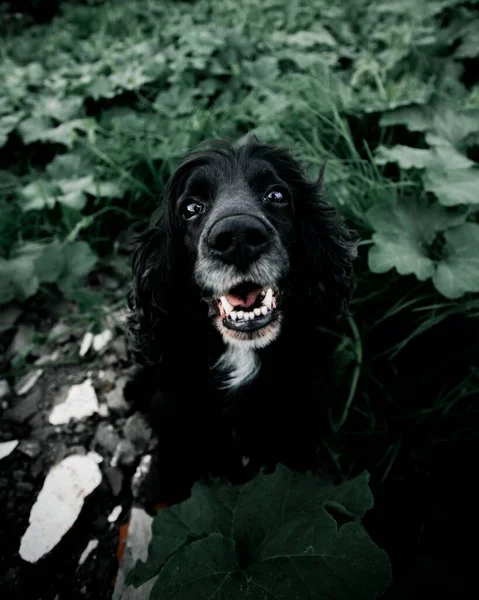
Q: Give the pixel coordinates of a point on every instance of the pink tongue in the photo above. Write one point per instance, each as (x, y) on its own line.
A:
(245, 301)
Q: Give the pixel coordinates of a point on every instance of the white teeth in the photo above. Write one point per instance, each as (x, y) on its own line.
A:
(234, 315)
(268, 299)
(257, 311)
(246, 316)
(226, 305)
(240, 314)
(251, 314)
(264, 309)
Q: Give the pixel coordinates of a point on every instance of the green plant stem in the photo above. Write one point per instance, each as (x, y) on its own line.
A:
(358, 350)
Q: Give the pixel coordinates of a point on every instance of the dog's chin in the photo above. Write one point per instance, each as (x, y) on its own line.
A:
(248, 315)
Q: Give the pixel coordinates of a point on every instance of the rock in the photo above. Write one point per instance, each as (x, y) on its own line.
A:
(48, 358)
(25, 408)
(115, 399)
(138, 431)
(110, 359)
(81, 402)
(27, 381)
(140, 475)
(98, 458)
(115, 513)
(7, 448)
(101, 340)
(8, 317)
(5, 390)
(136, 548)
(125, 454)
(103, 411)
(58, 505)
(86, 343)
(92, 545)
(22, 341)
(114, 476)
(120, 349)
(76, 449)
(60, 333)
(106, 437)
(30, 448)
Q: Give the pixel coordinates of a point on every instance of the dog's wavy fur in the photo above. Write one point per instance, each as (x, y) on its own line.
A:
(276, 416)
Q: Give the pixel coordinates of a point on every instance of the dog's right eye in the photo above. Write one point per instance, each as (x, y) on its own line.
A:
(191, 209)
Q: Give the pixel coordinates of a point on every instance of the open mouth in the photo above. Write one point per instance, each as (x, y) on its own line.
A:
(248, 307)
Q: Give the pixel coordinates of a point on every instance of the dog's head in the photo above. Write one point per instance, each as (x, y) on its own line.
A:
(243, 230)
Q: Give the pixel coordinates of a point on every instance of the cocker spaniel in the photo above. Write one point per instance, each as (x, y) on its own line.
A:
(231, 283)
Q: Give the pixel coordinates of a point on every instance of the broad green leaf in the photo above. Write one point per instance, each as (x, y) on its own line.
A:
(405, 156)
(205, 568)
(458, 273)
(453, 187)
(58, 109)
(38, 195)
(308, 39)
(404, 232)
(442, 155)
(79, 261)
(23, 277)
(34, 129)
(415, 118)
(50, 263)
(8, 124)
(208, 510)
(65, 166)
(268, 500)
(309, 558)
(106, 189)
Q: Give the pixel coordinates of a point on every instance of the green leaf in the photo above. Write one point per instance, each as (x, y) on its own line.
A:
(442, 155)
(290, 545)
(23, 277)
(208, 569)
(208, 510)
(34, 129)
(458, 273)
(405, 156)
(65, 166)
(404, 232)
(453, 187)
(268, 500)
(315, 560)
(8, 124)
(50, 263)
(79, 261)
(415, 118)
(38, 195)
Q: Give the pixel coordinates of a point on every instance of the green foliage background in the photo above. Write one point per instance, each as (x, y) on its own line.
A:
(98, 106)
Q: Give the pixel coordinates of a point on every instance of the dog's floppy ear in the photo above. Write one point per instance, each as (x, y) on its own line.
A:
(149, 297)
(326, 249)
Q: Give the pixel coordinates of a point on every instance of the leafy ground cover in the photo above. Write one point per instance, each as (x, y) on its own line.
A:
(98, 105)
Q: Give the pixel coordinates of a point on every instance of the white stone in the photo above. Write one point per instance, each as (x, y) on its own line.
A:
(86, 343)
(98, 458)
(101, 340)
(81, 402)
(115, 513)
(58, 505)
(25, 383)
(7, 448)
(92, 544)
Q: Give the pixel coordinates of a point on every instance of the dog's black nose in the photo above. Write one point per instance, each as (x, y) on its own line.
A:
(239, 239)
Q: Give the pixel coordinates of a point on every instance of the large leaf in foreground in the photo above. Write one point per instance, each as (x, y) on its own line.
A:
(208, 510)
(458, 273)
(403, 234)
(276, 538)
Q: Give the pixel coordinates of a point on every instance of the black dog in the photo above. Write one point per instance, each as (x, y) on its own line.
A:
(230, 285)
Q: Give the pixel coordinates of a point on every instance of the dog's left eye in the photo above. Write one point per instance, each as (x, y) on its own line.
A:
(191, 209)
(276, 197)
